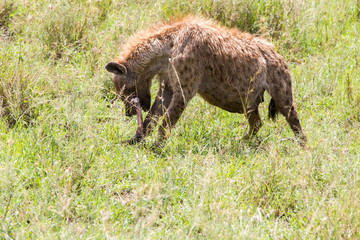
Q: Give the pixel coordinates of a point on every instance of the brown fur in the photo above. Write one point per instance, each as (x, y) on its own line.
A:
(226, 67)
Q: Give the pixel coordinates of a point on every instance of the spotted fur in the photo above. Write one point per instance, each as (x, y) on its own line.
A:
(228, 68)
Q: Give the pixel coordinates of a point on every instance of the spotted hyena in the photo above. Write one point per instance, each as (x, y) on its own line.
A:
(228, 68)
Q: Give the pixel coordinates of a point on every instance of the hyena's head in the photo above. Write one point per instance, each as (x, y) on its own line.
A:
(128, 86)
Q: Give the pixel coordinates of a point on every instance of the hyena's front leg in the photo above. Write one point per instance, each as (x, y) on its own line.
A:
(185, 82)
(173, 114)
(158, 109)
(177, 106)
(161, 103)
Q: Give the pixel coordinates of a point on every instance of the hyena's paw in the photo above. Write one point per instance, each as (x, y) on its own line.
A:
(135, 140)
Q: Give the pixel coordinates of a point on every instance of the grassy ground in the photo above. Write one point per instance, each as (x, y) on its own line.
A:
(65, 174)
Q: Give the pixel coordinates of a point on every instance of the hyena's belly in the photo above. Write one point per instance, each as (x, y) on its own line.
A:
(232, 102)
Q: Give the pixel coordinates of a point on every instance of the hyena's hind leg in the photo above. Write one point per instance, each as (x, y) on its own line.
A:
(253, 117)
(282, 101)
(293, 120)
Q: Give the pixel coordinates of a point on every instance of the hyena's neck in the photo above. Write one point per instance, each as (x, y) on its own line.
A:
(150, 56)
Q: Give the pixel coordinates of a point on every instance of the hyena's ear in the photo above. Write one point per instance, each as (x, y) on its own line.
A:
(116, 68)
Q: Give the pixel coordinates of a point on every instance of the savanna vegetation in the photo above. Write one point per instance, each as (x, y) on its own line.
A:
(64, 172)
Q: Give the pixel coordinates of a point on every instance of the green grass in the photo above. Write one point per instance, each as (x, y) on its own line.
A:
(65, 174)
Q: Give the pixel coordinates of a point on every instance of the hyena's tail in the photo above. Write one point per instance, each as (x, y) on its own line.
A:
(273, 111)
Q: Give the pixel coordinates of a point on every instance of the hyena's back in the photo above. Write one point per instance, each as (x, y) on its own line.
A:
(231, 68)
